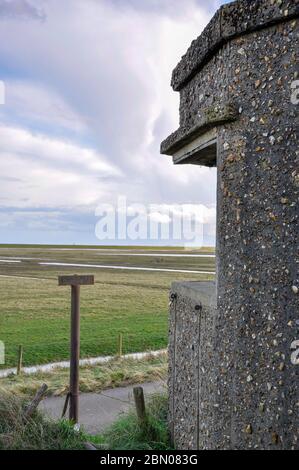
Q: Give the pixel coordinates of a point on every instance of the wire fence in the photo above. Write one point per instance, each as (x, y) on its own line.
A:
(116, 344)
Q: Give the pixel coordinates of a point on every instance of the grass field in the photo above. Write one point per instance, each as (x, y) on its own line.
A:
(35, 311)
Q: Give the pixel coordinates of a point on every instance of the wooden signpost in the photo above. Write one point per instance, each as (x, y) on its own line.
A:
(75, 281)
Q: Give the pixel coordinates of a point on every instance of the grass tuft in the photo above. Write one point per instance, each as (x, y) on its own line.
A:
(34, 433)
(127, 434)
(40, 433)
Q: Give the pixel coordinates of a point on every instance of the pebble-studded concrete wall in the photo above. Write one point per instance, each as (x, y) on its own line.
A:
(254, 373)
(192, 313)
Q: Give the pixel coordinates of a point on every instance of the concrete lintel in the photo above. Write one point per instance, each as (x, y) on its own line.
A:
(208, 119)
(201, 151)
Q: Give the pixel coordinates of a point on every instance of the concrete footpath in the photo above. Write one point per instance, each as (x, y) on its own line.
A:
(97, 411)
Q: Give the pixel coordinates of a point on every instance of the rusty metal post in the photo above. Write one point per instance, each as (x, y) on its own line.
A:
(75, 353)
(75, 281)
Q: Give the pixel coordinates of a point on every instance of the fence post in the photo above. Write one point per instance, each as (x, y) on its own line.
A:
(120, 345)
(140, 405)
(20, 359)
(36, 401)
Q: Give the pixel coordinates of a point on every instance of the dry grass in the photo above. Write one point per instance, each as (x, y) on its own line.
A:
(118, 372)
(41, 433)
(16, 432)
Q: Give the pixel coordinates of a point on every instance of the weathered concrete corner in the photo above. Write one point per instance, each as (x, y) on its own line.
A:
(214, 107)
(232, 20)
(238, 111)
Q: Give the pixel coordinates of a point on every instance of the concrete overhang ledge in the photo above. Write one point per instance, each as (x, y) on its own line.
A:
(196, 145)
(230, 21)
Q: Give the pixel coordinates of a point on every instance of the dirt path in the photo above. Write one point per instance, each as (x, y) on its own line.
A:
(97, 411)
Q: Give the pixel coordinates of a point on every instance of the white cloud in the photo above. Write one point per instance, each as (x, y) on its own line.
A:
(97, 72)
(50, 173)
(111, 64)
(37, 105)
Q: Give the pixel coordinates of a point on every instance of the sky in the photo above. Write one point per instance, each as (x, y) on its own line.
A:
(87, 103)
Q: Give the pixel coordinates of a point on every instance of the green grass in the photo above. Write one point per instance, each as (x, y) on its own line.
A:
(41, 433)
(116, 373)
(35, 313)
(37, 433)
(127, 434)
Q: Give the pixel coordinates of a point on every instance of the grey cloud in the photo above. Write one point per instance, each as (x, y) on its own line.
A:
(111, 62)
(10, 179)
(47, 219)
(160, 7)
(170, 8)
(20, 9)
